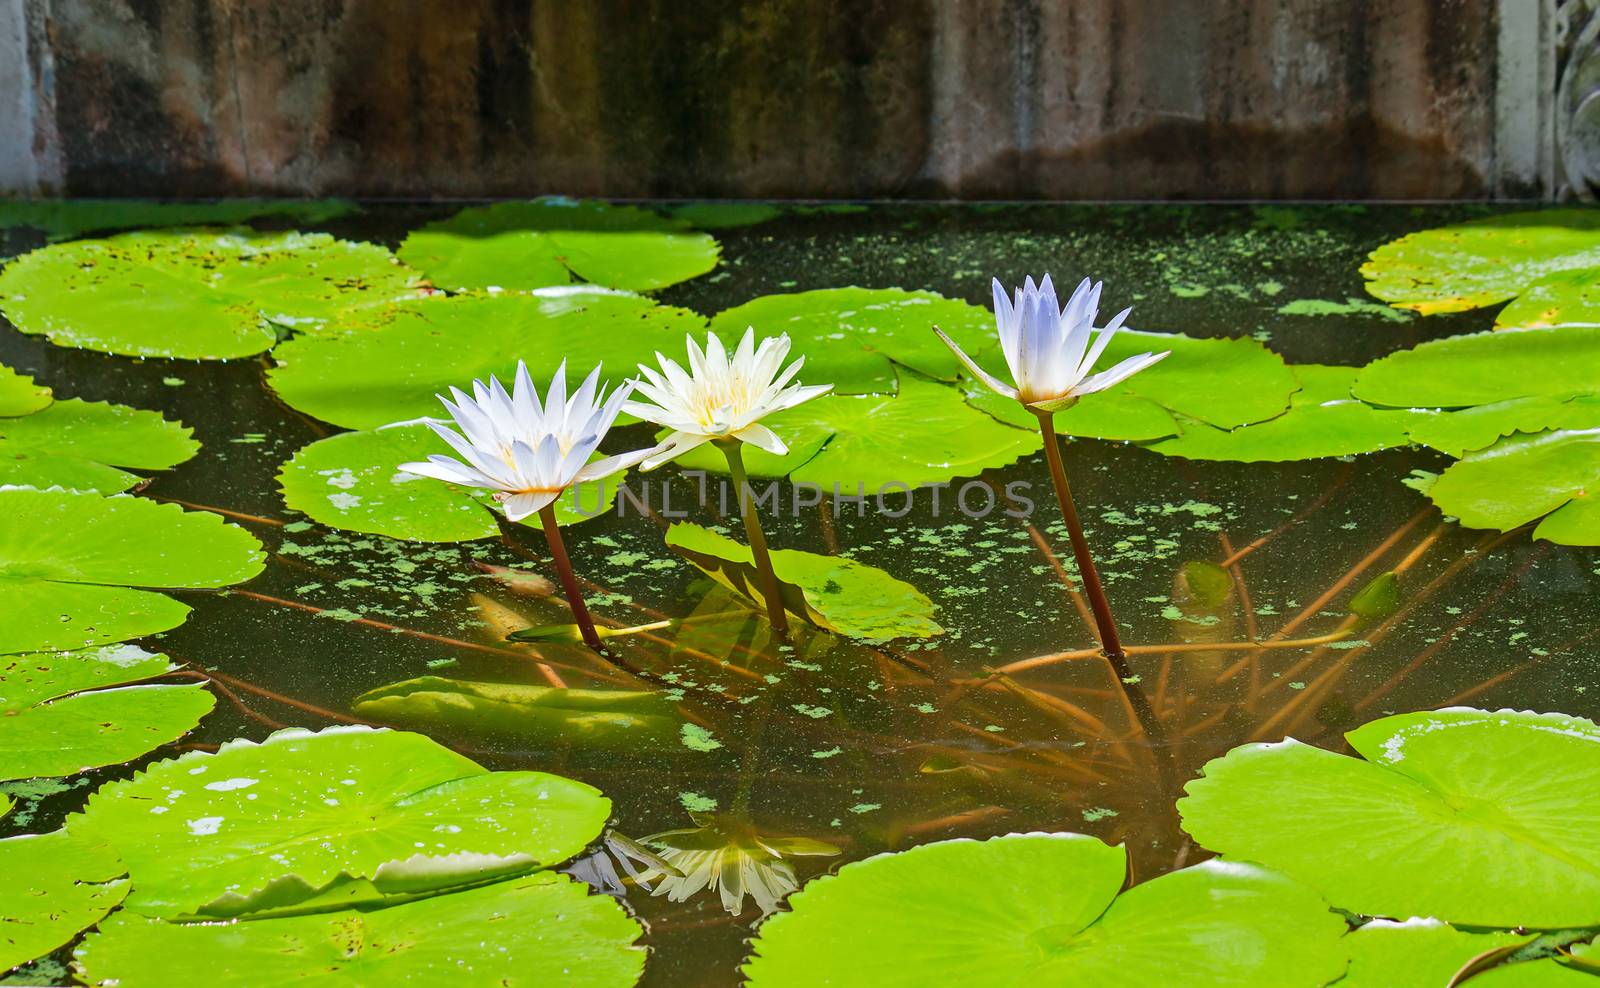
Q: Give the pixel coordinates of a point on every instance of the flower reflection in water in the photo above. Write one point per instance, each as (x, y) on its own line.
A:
(727, 853)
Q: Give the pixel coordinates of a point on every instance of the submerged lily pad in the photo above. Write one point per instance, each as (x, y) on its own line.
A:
(1322, 420)
(1419, 953)
(69, 563)
(79, 444)
(559, 717)
(543, 929)
(1481, 368)
(19, 395)
(62, 219)
(925, 434)
(832, 592)
(64, 712)
(543, 242)
(1458, 433)
(284, 819)
(1031, 909)
(1473, 817)
(195, 294)
(353, 481)
(386, 364)
(1546, 261)
(1552, 475)
(852, 337)
(55, 885)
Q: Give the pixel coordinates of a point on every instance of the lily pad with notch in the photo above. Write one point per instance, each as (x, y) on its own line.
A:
(1554, 476)
(1460, 432)
(19, 395)
(56, 886)
(64, 712)
(1030, 909)
(1425, 953)
(1482, 368)
(1477, 818)
(64, 219)
(78, 445)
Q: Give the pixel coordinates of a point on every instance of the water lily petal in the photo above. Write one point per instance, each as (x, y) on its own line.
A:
(762, 437)
(520, 506)
(989, 380)
(1120, 372)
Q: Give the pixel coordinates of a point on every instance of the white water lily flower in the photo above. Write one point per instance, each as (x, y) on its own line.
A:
(1048, 350)
(719, 397)
(527, 453)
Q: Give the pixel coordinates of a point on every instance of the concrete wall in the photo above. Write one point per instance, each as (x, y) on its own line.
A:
(810, 98)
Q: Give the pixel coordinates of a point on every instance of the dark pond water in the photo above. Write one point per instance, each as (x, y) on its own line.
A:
(873, 749)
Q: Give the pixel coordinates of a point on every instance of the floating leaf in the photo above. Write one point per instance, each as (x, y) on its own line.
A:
(353, 481)
(78, 445)
(19, 395)
(558, 717)
(835, 593)
(926, 434)
(386, 364)
(543, 242)
(1419, 953)
(69, 561)
(1554, 475)
(1322, 420)
(62, 219)
(195, 294)
(1486, 367)
(55, 885)
(1473, 428)
(724, 215)
(302, 809)
(1547, 257)
(1476, 818)
(850, 336)
(544, 929)
(1031, 909)
(64, 712)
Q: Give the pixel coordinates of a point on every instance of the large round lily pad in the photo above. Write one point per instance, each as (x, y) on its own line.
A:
(79, 444)
(63, 712)
(1473, 817)
(62, 219)
(19, 395)
(282, 820)
(1322, 420)
(385, 365)
(1546, 261)
(1418, 953)
(1485, 367)
(1553, 475)
(544, 242)
(55, 885)
(1460, 432)
(1043, 909)
(69, 563)
(353, 481)
(536, 931)
(925, 434)
(830, 592)
(197, 294)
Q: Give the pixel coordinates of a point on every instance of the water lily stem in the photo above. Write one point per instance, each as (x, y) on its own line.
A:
(733, 450)
(569, 582)
(1110, 644)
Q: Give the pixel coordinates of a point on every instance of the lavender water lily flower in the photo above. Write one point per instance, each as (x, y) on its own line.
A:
(525, 451)
(1048, 350)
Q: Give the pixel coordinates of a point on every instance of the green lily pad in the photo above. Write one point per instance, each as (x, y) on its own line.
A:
(19, 395)
(1544, 260)
(517, 246)
(852, 337)
(69, 563)
(353, 481)
(55, 886)
(925, 434)
(1322, 420)
(386, 364)
(195, 294)
(78, 445)
(724, 215)
(63, 219)
(1458, 433)
(832, 592)
(582, 718)
(286, 818)
(544, 929)
(1032, 909)
(1552, 475)
(1473, 817)
(64, 712)
(1481, 368)
(1419, 953)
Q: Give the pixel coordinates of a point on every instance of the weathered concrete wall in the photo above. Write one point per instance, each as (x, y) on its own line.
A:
(813, 98)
